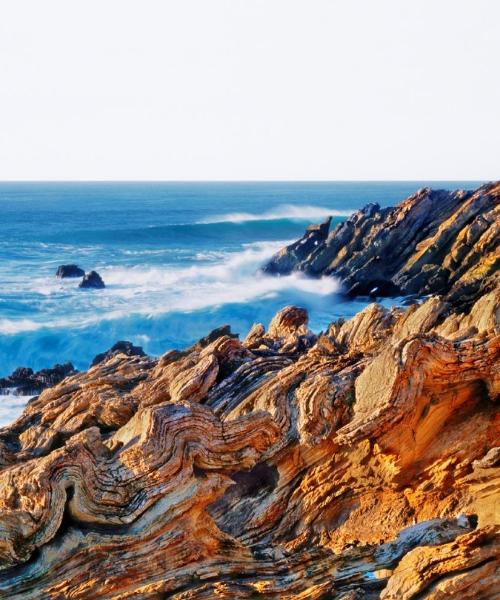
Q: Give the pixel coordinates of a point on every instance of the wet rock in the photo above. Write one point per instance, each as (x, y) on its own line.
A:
(64, 271)
(25, 382)
(374, 288)
(92, 280)
(285, 261)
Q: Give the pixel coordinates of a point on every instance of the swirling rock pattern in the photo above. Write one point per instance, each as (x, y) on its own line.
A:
(360, 463)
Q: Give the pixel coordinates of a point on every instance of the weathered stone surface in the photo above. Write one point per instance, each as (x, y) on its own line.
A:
(362, 463)
(466, 568)
(433, 242)
(359, 463)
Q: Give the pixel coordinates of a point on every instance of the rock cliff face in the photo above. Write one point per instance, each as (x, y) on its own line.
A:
(433, 242)
(360, 463)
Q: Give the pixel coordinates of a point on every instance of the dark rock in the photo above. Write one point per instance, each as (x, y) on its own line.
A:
(27, 383)
(121, 347)
(286, 260)
(431, 279)
(64, 271)
(463, 295)
(374, 288)
(92, 280)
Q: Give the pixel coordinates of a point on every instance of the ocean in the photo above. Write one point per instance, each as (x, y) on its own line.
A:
(178, 259)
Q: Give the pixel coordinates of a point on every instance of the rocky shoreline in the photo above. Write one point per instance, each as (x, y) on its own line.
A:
(434, 242)
(359, 463)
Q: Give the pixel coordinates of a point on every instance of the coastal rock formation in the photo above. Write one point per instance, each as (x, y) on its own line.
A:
(92, 280)
(27, 383)
(361, 463)
(433, 242)
(69, 271)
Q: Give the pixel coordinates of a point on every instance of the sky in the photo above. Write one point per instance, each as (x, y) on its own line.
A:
(249, 89)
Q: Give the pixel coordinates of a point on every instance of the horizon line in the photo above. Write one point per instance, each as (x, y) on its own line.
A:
(193, 181)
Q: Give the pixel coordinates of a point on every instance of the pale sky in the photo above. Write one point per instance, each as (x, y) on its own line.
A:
(249, 89)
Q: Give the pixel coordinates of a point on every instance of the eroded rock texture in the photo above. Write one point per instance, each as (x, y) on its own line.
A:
(433, 242)
(360, 463)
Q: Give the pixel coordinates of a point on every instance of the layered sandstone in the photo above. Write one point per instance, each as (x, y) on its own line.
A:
(360, 463)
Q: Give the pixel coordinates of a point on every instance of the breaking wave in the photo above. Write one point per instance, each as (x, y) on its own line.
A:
(283, 211)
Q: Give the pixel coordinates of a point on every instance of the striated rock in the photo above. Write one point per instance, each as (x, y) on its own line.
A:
(360, 463)
(433, 242)
(466, 568)
(288, 333)
(92, 280)
(69, 271)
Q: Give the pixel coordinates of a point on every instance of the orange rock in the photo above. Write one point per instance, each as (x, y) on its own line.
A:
(360, 464)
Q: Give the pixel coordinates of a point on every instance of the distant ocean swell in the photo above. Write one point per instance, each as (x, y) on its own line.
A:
(228, 228)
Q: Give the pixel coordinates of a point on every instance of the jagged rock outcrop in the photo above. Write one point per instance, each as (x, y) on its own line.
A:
(433, 242)
(92, 280)
(121, 347)
(360, 463)
(25, 382)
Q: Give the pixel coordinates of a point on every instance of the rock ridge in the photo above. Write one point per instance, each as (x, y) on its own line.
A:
(434, 242)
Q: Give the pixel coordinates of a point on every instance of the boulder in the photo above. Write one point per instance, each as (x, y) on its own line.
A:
(64, 271)
(92, 280)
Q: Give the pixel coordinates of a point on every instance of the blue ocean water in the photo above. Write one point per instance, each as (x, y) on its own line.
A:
(178, 260)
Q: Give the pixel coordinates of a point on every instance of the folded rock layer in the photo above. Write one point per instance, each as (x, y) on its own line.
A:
(359, 463)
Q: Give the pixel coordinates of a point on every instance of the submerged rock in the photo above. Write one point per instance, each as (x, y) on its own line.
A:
(92, 280)
(64, 271)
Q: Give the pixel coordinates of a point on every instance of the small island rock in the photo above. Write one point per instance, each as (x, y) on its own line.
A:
(64, 271)
(92, 280)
